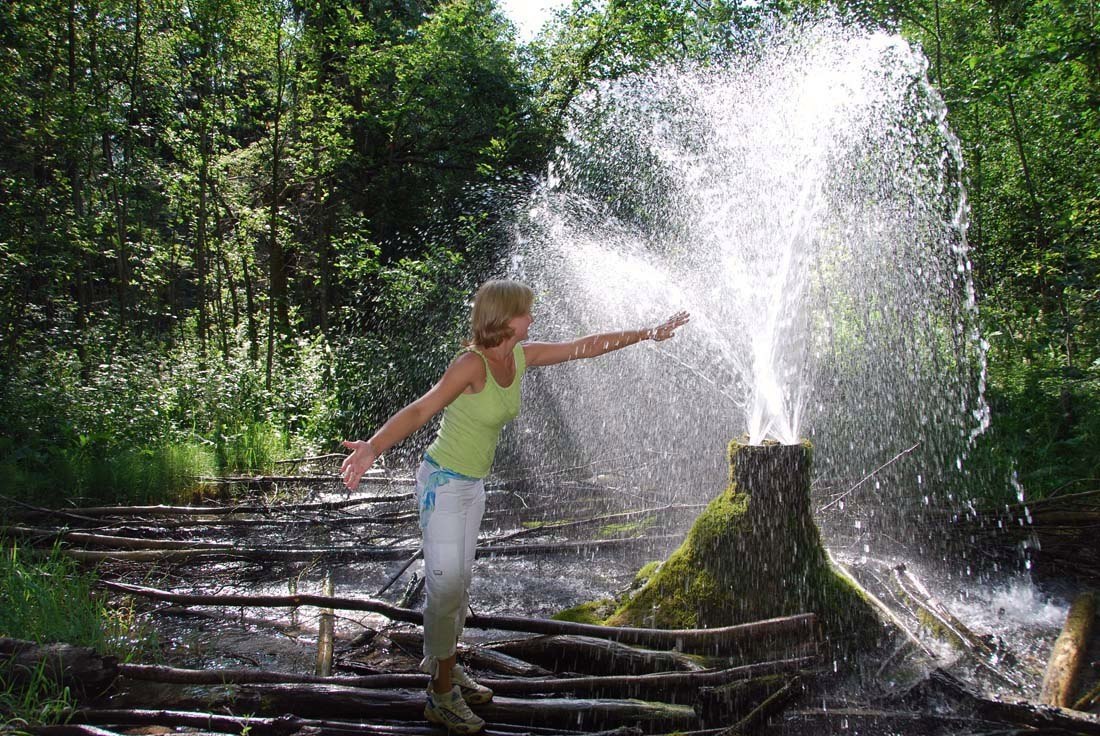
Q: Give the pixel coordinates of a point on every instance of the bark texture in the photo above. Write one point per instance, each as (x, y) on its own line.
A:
(753, 554)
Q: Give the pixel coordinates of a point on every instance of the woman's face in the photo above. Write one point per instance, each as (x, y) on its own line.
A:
(520, 324)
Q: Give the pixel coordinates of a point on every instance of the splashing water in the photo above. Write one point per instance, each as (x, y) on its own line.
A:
(805, 204)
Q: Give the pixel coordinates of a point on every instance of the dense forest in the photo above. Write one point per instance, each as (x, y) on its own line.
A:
(236, 230)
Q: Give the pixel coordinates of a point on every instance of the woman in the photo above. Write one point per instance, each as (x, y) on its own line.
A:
(478, 394)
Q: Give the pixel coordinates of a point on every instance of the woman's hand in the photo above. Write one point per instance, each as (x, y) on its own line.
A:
(358, 462)
(668, 328)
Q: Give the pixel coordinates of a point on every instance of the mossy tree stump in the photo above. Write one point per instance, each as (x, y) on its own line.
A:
(754, 553)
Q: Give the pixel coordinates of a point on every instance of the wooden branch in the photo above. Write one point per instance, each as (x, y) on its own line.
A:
(1089, 699)
(1060, 680)
(766, 709)
(80, 668)
(209, 551)
(881, 607)
(266, 480)
(178, 676)
(501, 663)
(105, 540)
(587, 654)
(393, 578)
(284, 725)
(315, 458)
(801, 627)
(969, 641)
(239, 553)
(44, 511)
(336, 701)
(556, 526)
(655, 684)
(163, 510)
(867, 477)
(72, 730)
(1022, 713)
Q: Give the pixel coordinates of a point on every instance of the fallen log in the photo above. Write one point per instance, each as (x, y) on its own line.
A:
(572, 653)
(285, 725)
(106, 540)
(648, 685)
(661, 685)
(165, 510)
(1060, 679)
(158, 552)
(853, 720)
(769, 707)
(504, 664)
(967, 639)
(179, 676)
(1019, 713)
(336, 701)
(80, 668)
(799, 628)
(73, 730)
(136, 529)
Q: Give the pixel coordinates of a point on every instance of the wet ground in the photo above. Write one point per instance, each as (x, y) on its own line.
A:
(879, 694)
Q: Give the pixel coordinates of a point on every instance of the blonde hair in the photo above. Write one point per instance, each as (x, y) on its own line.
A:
(495, 303)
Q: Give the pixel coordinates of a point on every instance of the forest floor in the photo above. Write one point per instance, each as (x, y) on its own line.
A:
(299, 534)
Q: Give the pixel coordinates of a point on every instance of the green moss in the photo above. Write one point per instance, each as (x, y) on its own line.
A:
(747, 561)
(686, 583)
(628, 528)
(645, 573)
(592, 612)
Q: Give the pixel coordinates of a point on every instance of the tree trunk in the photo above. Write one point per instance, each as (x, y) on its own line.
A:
(277, 318)
(755, 553)
(1060, 680)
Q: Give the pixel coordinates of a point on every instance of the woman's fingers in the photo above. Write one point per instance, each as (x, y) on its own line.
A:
(350, 471)
(668, 328)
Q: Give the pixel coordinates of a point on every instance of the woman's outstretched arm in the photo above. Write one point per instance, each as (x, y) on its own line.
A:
(551, 353)
(461, 374)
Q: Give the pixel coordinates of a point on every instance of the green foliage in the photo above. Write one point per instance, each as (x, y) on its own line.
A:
(182, 188)
(47, 598)
(1020, 83)
(145, 426)
(37, 702)
(416, 332)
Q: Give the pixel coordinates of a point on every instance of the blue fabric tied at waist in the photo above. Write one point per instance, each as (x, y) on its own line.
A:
(439, 476)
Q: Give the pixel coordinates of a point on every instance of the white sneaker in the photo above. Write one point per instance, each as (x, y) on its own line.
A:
(450, 711)
(473, 693)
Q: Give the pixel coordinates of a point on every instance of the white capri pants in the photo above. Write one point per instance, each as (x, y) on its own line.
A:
(451, 506)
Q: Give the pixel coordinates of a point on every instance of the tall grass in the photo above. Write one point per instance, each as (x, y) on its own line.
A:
(141, 424)
(252, 448)
(47, 598)
(89, 470)
(37, 701)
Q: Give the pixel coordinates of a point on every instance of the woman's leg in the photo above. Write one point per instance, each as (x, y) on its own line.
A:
(474, 515)
(449, 547)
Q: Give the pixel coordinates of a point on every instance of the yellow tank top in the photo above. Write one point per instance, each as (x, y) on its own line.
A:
(470, 430)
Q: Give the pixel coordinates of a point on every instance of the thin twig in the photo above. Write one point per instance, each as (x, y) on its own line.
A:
(867, 477)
